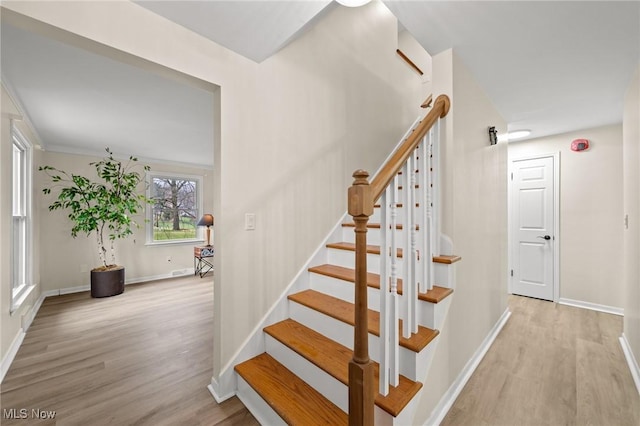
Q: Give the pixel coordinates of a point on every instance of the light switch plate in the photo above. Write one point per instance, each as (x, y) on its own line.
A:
(249, 221)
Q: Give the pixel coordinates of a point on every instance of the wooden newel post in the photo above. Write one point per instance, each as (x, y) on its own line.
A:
(361, 386)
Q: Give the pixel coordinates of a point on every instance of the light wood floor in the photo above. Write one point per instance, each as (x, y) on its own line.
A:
(141, 358)
(551, 365)
(145, 358)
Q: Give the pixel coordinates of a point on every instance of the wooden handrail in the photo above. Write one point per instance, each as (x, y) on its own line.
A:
(381, 181)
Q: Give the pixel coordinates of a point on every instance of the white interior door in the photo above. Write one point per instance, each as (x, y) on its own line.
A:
(532, 227)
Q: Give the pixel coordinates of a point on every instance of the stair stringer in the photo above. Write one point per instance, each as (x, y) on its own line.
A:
(225, 385)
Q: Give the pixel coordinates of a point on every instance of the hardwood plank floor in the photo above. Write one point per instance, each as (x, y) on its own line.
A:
(145, 358)
(551, 365)
(141, 358)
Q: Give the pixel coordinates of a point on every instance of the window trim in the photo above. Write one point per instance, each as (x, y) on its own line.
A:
(149, 211)
(20, 292)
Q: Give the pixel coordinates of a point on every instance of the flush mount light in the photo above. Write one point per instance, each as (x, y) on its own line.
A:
(516, 134)
(353, 3)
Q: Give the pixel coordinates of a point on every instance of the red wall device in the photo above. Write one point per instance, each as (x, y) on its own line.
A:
(580, 145)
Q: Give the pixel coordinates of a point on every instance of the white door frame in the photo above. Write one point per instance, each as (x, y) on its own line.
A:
(556, 220)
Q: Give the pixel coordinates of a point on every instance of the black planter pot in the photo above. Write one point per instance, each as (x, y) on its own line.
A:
(107, 283)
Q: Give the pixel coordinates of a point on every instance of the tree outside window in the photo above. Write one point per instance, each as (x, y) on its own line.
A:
(176, 208)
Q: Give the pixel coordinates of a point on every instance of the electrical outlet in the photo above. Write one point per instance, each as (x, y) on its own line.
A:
(249, 221)
(84, 267)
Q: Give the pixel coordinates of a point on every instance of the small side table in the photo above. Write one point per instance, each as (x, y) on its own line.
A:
(200, 263)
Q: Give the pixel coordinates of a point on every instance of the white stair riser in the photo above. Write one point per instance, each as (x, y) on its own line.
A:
(377, 214)
(346, 259)
(332, 389)
(429, 314)
(373, 236)
(445, 275)
(340, 289)
(257, 406)
(382, 418)
(342, 333)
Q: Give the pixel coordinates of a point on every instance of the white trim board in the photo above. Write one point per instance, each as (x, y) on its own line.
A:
(449, 397)
(87, 287)
(219, 399)
(591, 306)
(631, 361)
(17, 341)
(11, 354)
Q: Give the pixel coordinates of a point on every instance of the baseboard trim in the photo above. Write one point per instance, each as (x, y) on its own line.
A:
(87, 287)
(219, 399)
(592, 306)
(33, 312)
(449, 397)
(11, 354)
(17, 341)
(631, 361)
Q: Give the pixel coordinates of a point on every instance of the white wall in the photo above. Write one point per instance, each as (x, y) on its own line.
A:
(10, 323)
(475, 217)
(631, 276)
(590, 212)
(68, 259)
(292, 130)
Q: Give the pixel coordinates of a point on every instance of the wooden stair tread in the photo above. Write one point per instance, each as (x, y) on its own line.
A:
(447, 259)
(334, 358)
(373, 225)
(435, 295)
(293, 399)
(371, 249)
(344, 311)
(398, 205)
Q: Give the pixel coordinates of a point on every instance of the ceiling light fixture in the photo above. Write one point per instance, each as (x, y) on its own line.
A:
(516, 134)
(353, 3)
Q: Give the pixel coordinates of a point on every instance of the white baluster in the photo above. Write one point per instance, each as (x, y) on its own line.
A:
(432, 236)
(412, 285)
(385, 295)
(394, 368)
(407, 252)
(437, 205)
(424, 261)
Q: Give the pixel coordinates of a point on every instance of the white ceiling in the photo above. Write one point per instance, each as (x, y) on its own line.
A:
(254, 29)
(81, 102)
(547, 66)
(550, 67)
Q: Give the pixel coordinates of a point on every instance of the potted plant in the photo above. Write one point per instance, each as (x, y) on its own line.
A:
(104, 207)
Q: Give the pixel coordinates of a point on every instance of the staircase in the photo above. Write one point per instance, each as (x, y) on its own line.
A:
(303, 375)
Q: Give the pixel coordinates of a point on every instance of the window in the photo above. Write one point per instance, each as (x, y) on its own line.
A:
(176, 208)
(21, 207)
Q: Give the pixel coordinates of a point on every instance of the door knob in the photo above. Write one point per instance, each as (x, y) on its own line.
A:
(546, 237)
